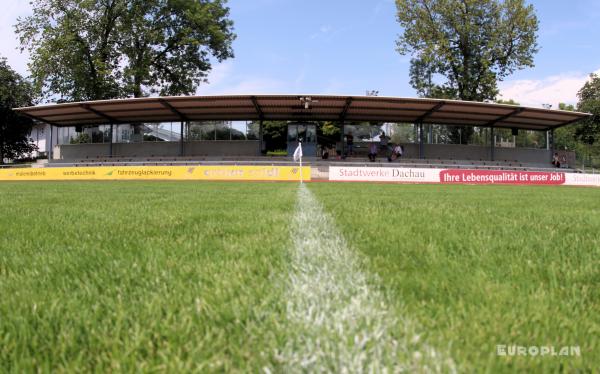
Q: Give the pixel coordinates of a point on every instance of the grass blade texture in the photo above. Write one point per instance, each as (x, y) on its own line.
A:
(141, 276)
(481, 266)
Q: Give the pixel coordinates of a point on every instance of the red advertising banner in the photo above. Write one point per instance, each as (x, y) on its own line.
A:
(501, 177)
(460, 176)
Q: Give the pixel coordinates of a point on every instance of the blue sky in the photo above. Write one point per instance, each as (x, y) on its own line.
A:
(348, 47)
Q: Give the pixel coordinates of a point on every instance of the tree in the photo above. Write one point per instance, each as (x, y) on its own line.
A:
(507, 102)
(328, 133)
(81, 138)
(169, 43)
(588, 131)
(403, 133)
(566, 107)
(275, 135)
(214, 130)
(101, 49)
(330, 129)
(564, 137)
(14, 129)
(461, 49)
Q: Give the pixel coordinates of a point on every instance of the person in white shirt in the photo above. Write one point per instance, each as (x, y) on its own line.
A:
(397, 152)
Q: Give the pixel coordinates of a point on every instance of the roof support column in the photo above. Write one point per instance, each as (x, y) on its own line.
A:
(260, 137)
(421, 141)
(50, 153)
(416, 132)
(551, 144)
(181, 144)
(492, 144)
(342, 138)
(110, 151)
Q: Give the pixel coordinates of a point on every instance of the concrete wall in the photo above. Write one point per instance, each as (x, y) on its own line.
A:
(470, 152)
(529, 155)
(158, 149)
(223, 148)
(251, 148)
(458, 152)
(475, 153)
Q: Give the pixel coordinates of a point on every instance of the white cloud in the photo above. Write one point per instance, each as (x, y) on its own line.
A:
(324, 30)
(220, 72)
(9, 43)
(248, 85)
(554, 89)
(328, 33)
(224, 81)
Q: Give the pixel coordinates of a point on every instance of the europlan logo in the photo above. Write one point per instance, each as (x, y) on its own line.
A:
(536, 350)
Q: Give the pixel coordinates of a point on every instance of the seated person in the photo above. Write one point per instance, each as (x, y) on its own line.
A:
(555, 160)
(397, 152)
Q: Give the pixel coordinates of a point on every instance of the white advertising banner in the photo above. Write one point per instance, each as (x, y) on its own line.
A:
(577, 179)
(460, 176)
(384, 174)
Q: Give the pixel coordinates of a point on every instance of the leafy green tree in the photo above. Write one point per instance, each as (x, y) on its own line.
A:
(577, 137)
(328, 133)
(588, 131)
(584, 137)
(100, 49)
(214, 130)
(531, 139)
(73, 48)
(461, 49)
(330, 129)
(566, 107)
(14, 129)
(564, 137)
(274, 134)
(403, 133)
(507, 102)
(169, 43)
(81, 138)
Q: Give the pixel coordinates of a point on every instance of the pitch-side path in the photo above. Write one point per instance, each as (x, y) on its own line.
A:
(338, 322)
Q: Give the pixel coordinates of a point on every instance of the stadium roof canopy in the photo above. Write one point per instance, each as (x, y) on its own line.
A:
(300, 108)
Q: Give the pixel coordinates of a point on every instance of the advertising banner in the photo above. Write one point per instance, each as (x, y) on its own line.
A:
(500, 177)
(460, 176)
(577, 179)
(232, 173)
(384, 174)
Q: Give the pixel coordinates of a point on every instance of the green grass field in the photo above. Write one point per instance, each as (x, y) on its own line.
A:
(175, 276)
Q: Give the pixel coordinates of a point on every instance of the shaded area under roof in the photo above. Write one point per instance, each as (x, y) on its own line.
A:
(293, 108)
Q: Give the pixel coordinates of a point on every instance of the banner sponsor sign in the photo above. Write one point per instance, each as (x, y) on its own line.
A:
(500, 177)
(578, 179)
(460, 176)
(232, 173)
(383, 174)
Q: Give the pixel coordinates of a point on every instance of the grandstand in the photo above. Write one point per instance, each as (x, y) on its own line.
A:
(125, 120)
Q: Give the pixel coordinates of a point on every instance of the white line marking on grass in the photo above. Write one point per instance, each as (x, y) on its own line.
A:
(337, 321)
